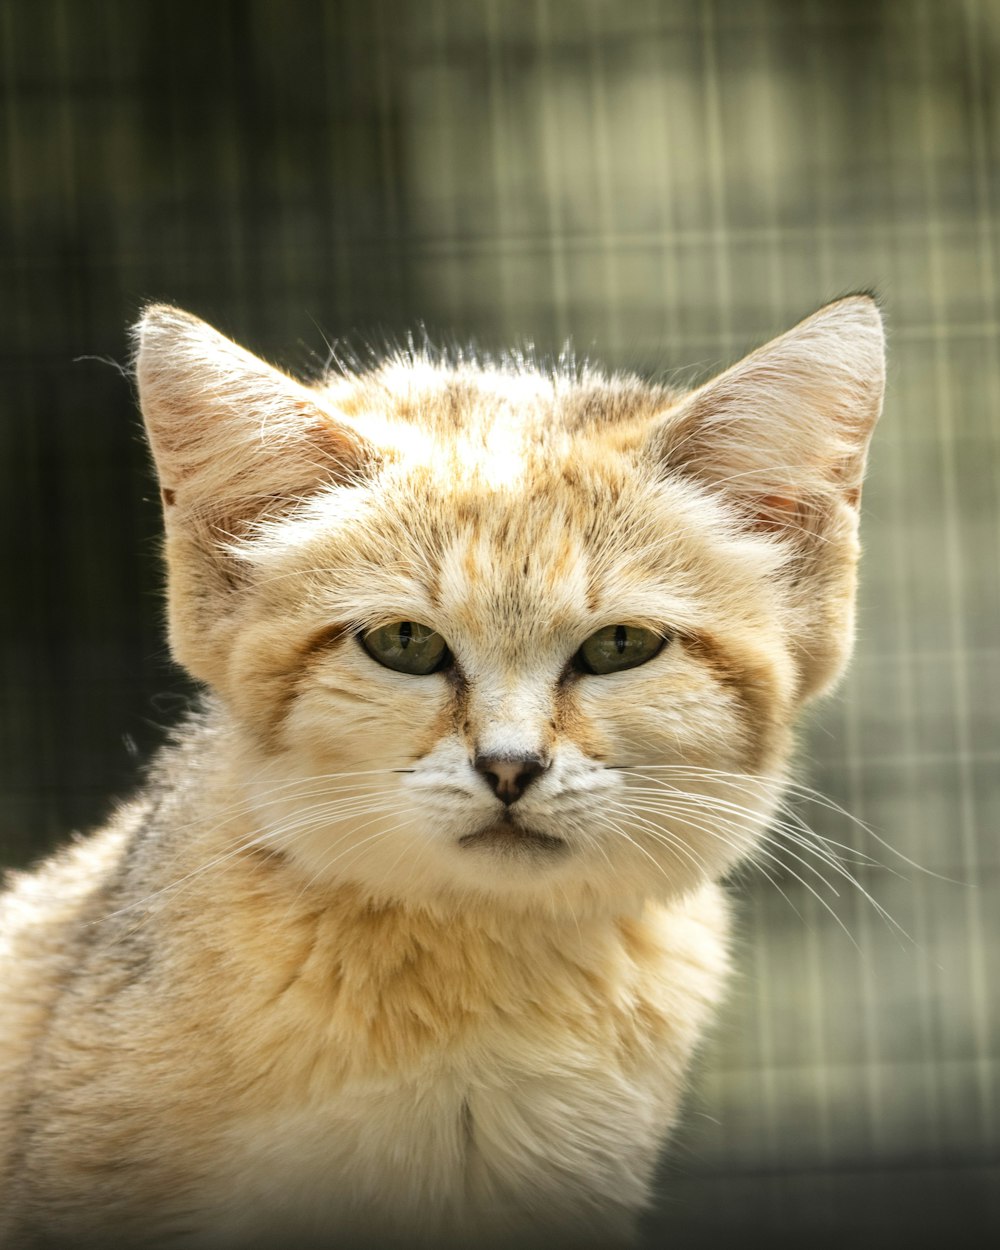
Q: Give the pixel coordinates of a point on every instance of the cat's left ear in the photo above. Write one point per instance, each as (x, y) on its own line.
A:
(782, 436)
(785, 431)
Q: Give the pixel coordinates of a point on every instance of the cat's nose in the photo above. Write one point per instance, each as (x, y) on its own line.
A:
(508, 776)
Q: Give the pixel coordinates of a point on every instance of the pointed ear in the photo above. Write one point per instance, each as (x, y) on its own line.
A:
(233, 438)
(234, 441)
(782, 436)
(784, 433)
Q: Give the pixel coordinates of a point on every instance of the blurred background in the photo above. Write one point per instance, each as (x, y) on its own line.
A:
(668, 183)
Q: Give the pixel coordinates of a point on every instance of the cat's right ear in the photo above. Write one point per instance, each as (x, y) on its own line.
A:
(235, 442)
(232, 437)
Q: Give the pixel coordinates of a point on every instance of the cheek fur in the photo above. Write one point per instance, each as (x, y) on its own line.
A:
(680, 711)
(342, 712)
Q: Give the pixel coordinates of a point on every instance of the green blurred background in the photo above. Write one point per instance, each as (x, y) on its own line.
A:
(668, 183)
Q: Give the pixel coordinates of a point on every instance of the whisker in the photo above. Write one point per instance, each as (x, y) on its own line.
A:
(665, 799)
(797, 789)
(826, 857)
(712, 832)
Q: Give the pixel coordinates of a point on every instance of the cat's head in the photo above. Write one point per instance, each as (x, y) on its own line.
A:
(512, 632)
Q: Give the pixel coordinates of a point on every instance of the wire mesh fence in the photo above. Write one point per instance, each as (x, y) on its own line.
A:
(666, 183)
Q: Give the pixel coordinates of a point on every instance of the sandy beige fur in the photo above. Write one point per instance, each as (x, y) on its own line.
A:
(317, 984)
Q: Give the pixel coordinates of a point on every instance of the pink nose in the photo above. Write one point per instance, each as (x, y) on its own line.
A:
(509, 776)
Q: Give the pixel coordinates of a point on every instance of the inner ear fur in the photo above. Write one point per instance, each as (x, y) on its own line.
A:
(235, 441)
(231, 436)
(782, 436)
(789, 424)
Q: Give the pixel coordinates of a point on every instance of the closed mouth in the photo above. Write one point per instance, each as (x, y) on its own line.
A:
(511, 839)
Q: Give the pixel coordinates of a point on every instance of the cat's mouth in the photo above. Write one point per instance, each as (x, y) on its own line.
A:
(510, 839)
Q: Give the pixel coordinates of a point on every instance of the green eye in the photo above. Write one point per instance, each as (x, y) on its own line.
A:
(616, 647)
(407, 647)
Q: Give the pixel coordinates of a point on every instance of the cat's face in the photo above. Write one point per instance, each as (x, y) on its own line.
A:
(499, 633)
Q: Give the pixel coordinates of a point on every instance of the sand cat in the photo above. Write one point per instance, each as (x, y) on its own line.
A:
(410, 936)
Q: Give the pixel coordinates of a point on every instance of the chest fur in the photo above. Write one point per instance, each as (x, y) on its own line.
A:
(375, 1071)
(464, 1079)
(482, 1154)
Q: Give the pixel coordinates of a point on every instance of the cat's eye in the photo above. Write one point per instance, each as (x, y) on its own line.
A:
(617, 647)
(407, 647)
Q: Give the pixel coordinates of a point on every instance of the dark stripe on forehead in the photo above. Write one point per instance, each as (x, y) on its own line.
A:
(279, 685)
(323, 639)
(752, 682)
(706, 648)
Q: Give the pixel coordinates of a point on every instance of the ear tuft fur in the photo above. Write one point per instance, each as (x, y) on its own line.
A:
(783, 436)
(234, 441)
(231, 436)
(785, 432)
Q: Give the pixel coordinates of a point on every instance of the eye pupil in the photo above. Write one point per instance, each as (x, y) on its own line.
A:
(405, 634)
(621, 639)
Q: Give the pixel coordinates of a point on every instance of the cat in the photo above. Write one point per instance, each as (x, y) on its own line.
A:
(412, 932)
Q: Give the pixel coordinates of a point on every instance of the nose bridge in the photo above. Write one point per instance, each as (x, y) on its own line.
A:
(512, 720)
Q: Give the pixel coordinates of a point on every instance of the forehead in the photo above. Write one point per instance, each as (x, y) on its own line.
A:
(558, 549)
(468, 400)
(508, 508)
